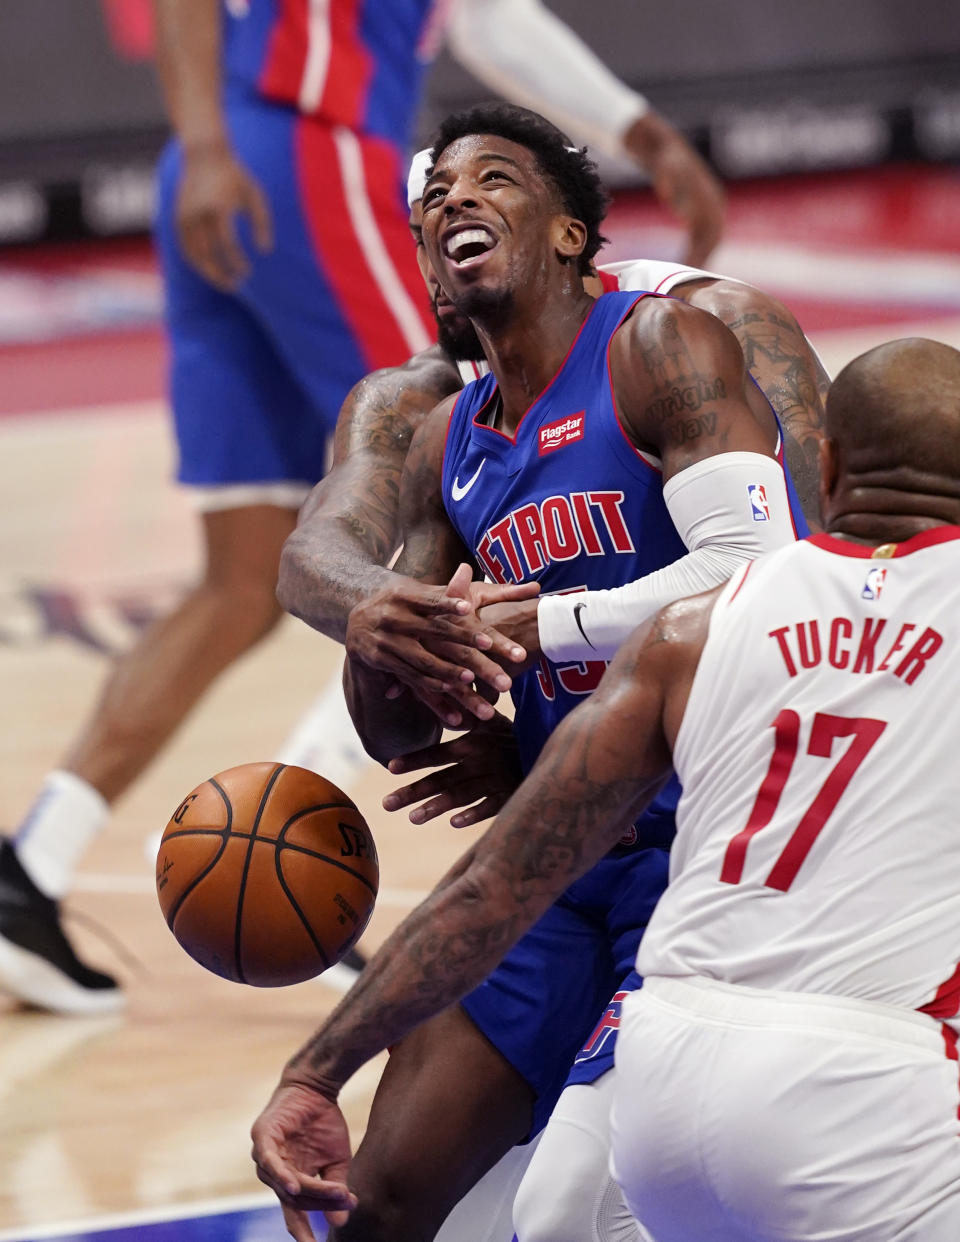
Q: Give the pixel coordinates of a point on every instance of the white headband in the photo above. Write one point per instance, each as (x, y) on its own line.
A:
(420, 167)
(417, 177)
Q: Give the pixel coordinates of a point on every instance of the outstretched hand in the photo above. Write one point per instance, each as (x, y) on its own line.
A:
(682, 180)
(301, 1148)
(484, 771)
(431, 640)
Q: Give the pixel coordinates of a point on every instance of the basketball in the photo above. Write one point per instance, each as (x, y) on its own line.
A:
(267, 874)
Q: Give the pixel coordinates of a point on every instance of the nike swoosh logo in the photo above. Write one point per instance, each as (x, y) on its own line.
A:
(458, 492)
(577, 609)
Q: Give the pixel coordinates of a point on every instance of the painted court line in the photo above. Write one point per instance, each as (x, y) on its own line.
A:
(145, 1216)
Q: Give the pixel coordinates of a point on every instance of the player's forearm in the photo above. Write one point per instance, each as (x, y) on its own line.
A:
(324, 573)
(188, 58)
(567, 814)
(564, 79)
(387, 726)
(711, 506)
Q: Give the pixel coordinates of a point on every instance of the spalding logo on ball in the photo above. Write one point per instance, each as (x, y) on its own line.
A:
(267, 874)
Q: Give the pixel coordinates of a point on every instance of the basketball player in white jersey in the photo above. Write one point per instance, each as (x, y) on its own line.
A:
(789, 1070)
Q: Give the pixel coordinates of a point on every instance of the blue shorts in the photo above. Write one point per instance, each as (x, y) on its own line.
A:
(542, 1003)
(596, 1056)
(258, 376)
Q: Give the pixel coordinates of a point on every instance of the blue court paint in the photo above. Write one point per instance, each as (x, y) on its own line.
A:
(206, 1224)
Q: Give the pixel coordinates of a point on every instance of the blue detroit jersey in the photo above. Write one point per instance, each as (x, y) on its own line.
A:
(568, 502)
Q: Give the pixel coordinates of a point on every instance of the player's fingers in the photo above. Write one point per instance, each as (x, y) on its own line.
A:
(427, 757)
(485, 809)
(475, 665)
(499, 647)
(229, 253)
(274, 1171)
(197, 243)
(484, 593)
(297, 1223)
(463, 794)
(413, 665)
(261, 220)
(419, 790)
(459, 584)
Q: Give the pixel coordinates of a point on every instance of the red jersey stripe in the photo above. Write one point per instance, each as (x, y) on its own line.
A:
(373, 297)
(946, 1002)
(286, 58)
(350, 69)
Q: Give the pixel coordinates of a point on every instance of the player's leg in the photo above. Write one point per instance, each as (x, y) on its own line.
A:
(784, 365)
(153, 686)
(485, 1213)
(740, 1112)
(568, 1194)
(225, 382)
(469, 1085)
(446, 1110)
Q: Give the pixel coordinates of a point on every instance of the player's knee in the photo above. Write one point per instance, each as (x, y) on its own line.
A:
(553, 1205)
(385, 1214)
(245, 610)
(566, 1209)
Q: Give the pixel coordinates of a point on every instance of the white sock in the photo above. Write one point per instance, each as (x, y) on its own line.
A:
(65, 817)
(324, 739)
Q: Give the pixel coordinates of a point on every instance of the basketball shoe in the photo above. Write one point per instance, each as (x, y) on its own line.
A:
(37, 962)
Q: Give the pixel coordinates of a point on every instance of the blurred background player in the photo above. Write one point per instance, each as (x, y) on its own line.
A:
(288, 275)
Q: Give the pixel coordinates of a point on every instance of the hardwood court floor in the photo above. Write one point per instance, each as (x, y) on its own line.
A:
(153, 1109)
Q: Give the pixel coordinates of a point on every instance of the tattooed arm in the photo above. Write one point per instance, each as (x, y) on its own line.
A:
(349, 527)
(784, 365)
(386, 631)
(682, 396)
(600, 768)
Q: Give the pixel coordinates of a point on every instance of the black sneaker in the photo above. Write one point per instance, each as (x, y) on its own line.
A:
(37, 963)
(346, 972)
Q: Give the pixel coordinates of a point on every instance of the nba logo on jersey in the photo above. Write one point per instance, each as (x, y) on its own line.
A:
(758, 502)
(873, 587)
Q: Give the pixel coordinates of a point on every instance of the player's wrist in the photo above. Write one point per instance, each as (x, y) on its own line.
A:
(302, 1072)
(206, 144)
(561, 638)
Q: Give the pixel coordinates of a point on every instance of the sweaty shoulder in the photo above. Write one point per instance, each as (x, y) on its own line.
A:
(384, 410)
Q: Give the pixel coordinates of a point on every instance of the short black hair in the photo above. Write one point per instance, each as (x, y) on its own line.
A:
(570, 169)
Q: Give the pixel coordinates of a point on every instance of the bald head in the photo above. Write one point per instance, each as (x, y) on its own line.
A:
(898, 407)
(890, 461)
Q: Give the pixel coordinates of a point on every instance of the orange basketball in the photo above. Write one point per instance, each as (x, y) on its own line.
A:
(267, 874)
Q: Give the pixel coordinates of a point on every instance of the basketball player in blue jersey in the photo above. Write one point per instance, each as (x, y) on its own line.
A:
(504, 228)
(288, 275)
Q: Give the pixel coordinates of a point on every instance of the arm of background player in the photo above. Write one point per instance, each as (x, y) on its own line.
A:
(349, 527)
(567, 83)
(683, 395)
(599, 769)
(214, 185)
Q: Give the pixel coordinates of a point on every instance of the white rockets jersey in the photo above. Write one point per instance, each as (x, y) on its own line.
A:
(818, 835)
(631, 275)
(655, 276)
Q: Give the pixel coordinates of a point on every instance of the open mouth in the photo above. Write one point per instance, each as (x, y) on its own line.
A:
(467, 244)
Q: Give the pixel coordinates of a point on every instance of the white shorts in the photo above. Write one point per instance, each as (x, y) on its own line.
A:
(743, 1116)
